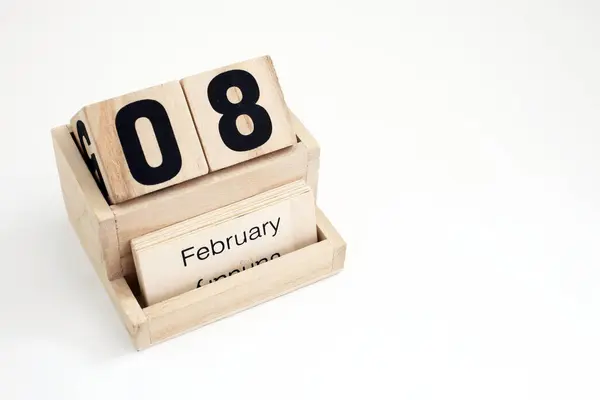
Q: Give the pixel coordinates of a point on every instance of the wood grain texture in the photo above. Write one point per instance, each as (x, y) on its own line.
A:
(218, 154)
(88, 211)
(241, 291)
(206, 248)
(304, 135)
(130, 311)
(327, 230)
(262, 283)
(157, 210)
(99, 121)
(96, 225)
(177, 203)
(313, 150)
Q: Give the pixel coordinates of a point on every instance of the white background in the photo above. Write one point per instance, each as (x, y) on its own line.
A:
(460, 161)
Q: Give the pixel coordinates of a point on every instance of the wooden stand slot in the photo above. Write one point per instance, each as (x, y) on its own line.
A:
(105, 232)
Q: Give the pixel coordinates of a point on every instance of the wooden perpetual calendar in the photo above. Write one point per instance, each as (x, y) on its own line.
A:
(195, 199)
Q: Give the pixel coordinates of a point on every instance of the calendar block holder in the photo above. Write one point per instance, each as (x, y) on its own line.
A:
(105, 231)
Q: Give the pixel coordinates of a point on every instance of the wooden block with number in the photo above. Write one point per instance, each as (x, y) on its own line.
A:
(239, 111)
(105, 231)
(140, 142)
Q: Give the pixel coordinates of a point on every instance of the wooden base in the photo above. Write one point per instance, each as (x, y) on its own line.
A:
(105, 233)
(150, 325)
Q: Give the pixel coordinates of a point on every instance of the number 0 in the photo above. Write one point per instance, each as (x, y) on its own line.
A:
(132, 147)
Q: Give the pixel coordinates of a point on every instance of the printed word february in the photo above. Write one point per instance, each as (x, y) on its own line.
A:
(216, 247)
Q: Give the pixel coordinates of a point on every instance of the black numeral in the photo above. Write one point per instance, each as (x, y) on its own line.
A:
(217, 96)
(90, 161)
(132, 147)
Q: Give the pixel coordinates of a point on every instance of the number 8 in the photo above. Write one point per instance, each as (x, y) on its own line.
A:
(230, 134)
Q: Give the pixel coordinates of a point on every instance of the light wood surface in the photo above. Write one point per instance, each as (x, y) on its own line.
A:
(314, 152)
(100, 122)
(208, 120)
(241, 291)
(97, 226)
(204, 194)
(177, 203)
(224, 242)
(151, 325)
(88, 212)
(130, 311)
(94, 223)
(326, 230)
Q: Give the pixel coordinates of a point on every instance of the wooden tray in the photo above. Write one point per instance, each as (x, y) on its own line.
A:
(105, 232)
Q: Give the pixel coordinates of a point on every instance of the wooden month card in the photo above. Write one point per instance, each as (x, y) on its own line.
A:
(224, 242)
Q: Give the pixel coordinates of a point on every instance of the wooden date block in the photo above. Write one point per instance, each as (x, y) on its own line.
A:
(239, 111)
(140, 142)
(105, 232)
